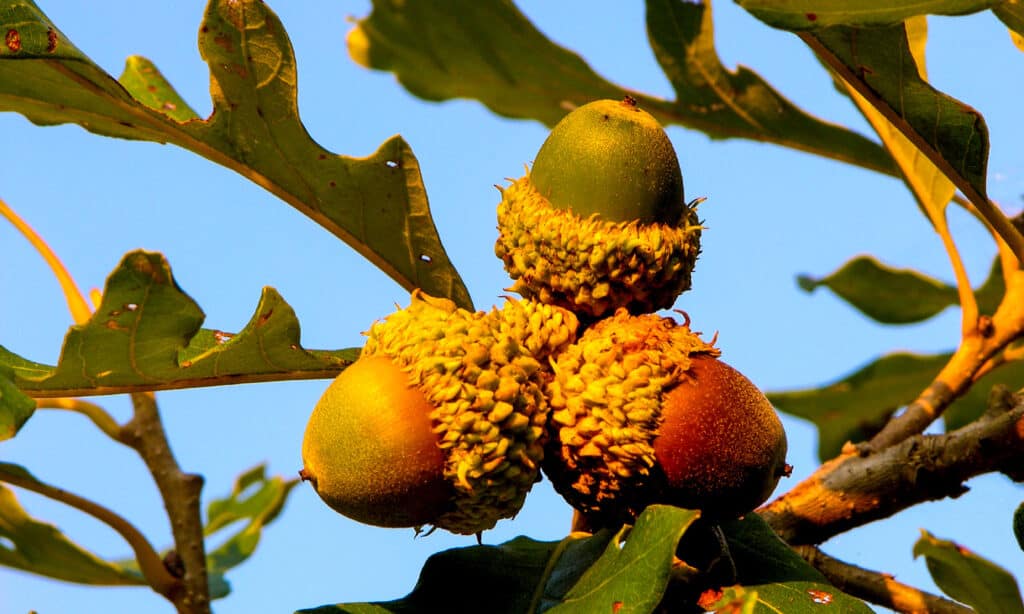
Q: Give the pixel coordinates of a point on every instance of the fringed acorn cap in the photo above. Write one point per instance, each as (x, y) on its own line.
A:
(590, 265)
(483, 374)
(606, 398)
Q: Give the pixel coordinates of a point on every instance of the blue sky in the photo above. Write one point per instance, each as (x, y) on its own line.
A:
(771, 214)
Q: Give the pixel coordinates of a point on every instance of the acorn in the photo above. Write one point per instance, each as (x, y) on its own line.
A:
(441, 420)
(600, 222)
(643, 411)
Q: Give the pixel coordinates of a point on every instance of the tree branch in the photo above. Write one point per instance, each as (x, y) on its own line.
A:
(180, 492)
(854, 489)
(976, 349)
(879, 588)
(150, 564)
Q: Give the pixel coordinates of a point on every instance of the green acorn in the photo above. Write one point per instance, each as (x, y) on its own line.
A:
(600, 222)
(442, 419)
(644, 412)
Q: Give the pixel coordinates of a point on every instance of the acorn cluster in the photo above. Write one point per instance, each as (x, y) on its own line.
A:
(449, 416)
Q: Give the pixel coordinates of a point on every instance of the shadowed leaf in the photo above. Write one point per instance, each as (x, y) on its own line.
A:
(781, 580)
(633, 576)
(524, 575)
(900, 296)
(1012, 14)
(487, 50)
(1018, 525)
(968, 578)
(145, 335)
(857, 406)
(15, 407)
(507, 578)
(40, 548)
(376, 204)
(807, 14)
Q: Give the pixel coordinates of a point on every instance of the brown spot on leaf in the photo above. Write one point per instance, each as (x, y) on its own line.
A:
(13, 40)
(616, 606)
(169, 106)
(322, 156)
(51, 40)
(332, 184)
(811, 17)
(224, 43)
(151, 88)
(264, 317)
(821, 597)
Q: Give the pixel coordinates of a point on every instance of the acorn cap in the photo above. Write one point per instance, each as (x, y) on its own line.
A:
(590, 265)
(482, 374)
(606, 409)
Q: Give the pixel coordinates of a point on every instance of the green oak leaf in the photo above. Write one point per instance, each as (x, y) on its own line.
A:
(969, 578)
(779, 578)
(487, 50)
(856, 406)
(1018, 526)
(146, 335)
(15, 406)
(376, 204)
(879, 64)
(1012, 15)
(808, 14)
(256, 499)
(523, 575)
(41, 548)
(632, 579)
(900, 296)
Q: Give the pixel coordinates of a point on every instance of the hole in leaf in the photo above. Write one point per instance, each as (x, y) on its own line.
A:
(7, 544)
(426, 258)
(392, 164)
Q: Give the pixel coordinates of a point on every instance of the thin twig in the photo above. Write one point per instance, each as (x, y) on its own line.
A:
(879, 588)
(92, 411)
(853, 489)
(150, 563)
(180, 492)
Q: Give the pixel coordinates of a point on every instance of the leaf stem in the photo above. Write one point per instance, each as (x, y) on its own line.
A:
(77, 305)
(150, 563)
(877, 587)
(92, 411)
(180, 492)
(968, 302)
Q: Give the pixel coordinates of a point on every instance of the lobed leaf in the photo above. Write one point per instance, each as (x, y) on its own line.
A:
(808, 14)
(780, 580)
(969, 578)
(41, 548)
(488, 51)
(376, 204)
(145, 335)
(524, 575)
